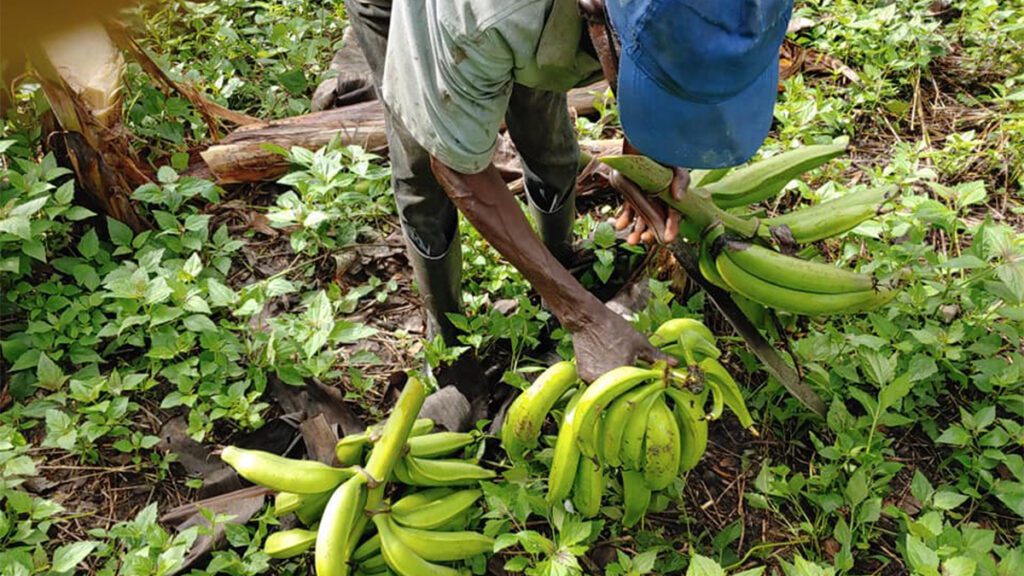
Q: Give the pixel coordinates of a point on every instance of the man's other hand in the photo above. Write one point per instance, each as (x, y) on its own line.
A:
(652, 220)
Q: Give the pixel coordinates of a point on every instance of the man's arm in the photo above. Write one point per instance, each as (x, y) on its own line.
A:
(602, 339)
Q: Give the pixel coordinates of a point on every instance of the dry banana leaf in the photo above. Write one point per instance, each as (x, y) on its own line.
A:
(99, 185)
(240, 506)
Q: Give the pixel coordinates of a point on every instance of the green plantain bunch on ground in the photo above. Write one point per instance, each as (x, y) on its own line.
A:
(648, 425)
(350, 524)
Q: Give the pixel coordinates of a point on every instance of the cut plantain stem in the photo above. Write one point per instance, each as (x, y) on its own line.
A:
(394, 436)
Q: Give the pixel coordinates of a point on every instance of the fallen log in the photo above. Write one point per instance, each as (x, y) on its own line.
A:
(243, 155)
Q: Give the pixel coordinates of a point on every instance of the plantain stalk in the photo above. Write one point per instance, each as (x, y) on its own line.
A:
(389, 448)
(700, 212)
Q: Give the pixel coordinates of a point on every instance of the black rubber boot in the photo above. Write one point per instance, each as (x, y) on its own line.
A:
(440, 285)
(462, 386)
(555, 228)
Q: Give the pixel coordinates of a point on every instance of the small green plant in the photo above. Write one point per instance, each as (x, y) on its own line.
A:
(338, 191)
(642, 563)
(557, 555)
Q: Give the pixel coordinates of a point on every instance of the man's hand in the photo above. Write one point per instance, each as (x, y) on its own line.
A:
(608, 342)
(652, 220)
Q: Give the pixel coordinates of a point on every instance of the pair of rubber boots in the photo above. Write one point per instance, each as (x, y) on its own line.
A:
(462, 386)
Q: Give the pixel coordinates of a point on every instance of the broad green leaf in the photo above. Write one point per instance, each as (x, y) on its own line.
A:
(279, 287)
(703, 566)
(804, 567)
(604, 235)
(197, 222)
(158, 291)
(575, 531)
(955, 435)
(76, 213)
(870, 511)
(1012, 274)
(294, 81)
(60, 431)
(220, 295)
(34, 249)
(67, 557)
(948, 499)
(920, 487)
(29, 359)
(86, 275)
(1012, 562)
(922, 559)
(878, 367)
(193, 266)
(1011, 494)
(927, 336)
(49, 374)
(921, 367)
(970, 193)
(199, 323)
(857, 488)
(315, 218)
(892, 393)
(11, 265)
(965, 262)
(979, 540)
(994, 438)
(29, 208)
(275, 148)
(929, 525)
(166, 175)
(120, 233)
(984, 417)
(20, 466)
(959, 566)
(643, 562)
(17, 225)
(249, 307)
(166, 221)
(89, 245)
(535, 542)
(346, 332)
(163, 314)
(319, 316)
(515, 563)
(66, 193)
(196, 304)
(870, 404)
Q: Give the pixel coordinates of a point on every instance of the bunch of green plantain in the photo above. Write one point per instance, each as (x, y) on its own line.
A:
(737, 250)
(648, 424)
(429, 458)
(410, 537)
(350, 525)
